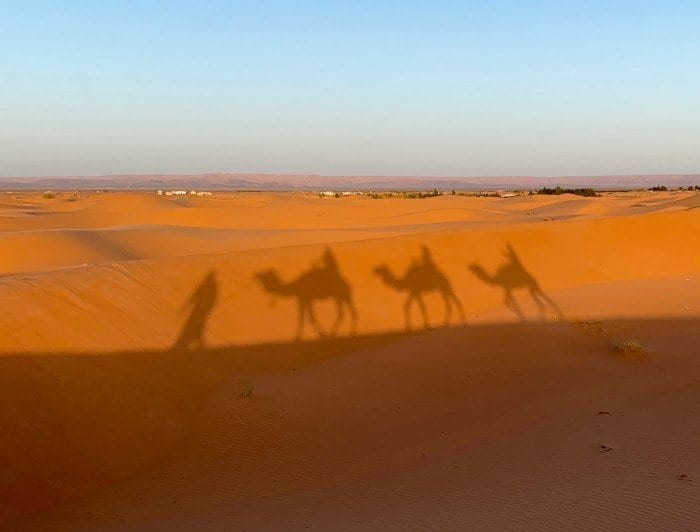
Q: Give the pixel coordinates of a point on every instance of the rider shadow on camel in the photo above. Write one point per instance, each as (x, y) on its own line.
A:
(320, 282)
(512, 276)
(421, 277)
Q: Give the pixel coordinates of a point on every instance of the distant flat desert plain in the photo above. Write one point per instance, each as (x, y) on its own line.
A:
(267, 361)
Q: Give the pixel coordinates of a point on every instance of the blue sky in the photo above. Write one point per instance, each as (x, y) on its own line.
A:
(403, 88)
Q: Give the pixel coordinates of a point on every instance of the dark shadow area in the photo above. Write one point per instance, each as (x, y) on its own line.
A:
(421, 277)
(322, 281)
(513, 276)
(200, 304)
(75, 423)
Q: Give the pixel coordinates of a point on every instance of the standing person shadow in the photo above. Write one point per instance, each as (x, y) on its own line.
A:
(201, 303)
(513, 276)
(322, 281)
(422, 276)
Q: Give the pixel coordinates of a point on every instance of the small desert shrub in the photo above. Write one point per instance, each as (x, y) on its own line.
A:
(586, 192)
(48, 195)
(629, 349)
(248, 392)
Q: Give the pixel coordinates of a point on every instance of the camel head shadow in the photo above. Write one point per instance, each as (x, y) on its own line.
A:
(422, 276)
(512, 276)
(323, 281)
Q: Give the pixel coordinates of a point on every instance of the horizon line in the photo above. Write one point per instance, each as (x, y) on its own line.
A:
(352, 175)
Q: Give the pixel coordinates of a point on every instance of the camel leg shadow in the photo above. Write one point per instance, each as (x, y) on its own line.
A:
(306, 311)
(542, 300)
(452, 301)
(513, 305)
(423, 309)
(340, 305)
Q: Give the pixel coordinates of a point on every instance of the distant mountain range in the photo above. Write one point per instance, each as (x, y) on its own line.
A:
(222, 181)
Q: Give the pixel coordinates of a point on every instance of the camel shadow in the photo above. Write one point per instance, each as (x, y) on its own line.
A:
(320, 282)
(513, 276)
(422, 276)
(201, 303)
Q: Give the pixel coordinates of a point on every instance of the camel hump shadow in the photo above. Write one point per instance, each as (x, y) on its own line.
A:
(420, 277)
(200, 304)
(322, 281)
(512, 276)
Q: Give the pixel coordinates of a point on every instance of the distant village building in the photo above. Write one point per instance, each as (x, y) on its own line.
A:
(184, 193)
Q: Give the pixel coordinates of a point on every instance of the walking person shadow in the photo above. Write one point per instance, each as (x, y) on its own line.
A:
(201, 303)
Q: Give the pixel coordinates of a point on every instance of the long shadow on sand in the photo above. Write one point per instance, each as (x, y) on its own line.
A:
(200, 304)
(74, 423)
(422, 276)
(513, 276)
(321, 281)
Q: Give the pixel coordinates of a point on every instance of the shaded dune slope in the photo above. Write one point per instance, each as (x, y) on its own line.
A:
(441, 429)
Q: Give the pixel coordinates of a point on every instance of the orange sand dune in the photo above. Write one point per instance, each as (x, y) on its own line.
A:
(116, 413)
